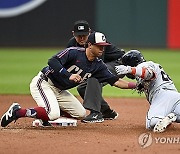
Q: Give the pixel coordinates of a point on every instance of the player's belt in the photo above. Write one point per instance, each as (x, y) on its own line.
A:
(44, 77)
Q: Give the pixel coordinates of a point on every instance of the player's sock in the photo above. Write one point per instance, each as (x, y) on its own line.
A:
(65, 114)
(38, 112)
(93, 111)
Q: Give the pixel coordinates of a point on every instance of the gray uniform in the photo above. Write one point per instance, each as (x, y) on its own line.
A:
(161, 93)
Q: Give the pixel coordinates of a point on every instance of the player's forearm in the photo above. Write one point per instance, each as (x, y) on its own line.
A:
(123, 84)
(142, 72)
(57, 67)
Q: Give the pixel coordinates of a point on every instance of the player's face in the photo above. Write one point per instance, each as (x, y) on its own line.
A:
(97, 50)
(81, 39)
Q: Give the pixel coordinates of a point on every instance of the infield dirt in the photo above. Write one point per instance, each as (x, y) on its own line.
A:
(111, 136)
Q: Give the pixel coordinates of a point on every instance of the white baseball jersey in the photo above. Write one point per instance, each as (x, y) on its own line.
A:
(160, 81)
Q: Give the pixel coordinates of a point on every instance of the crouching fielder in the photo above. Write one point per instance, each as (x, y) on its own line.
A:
(65, 70)
(158, 87)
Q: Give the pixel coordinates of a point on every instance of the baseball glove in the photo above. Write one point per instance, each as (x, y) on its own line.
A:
(140, 86)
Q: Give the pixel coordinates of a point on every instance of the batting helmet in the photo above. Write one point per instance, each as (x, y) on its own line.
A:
(132, 58)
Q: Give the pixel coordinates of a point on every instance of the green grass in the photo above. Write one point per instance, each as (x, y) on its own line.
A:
(19, 65)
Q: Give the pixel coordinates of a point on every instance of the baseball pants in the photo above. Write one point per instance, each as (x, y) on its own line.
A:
(53, 99)
(163, 103)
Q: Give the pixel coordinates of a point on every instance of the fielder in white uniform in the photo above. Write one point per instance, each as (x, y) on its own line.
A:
(158, 87)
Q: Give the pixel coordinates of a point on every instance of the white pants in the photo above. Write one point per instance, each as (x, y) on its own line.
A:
(53, 99)
(163, 103)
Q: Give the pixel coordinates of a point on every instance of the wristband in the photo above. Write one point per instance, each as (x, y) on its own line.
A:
(131, 85)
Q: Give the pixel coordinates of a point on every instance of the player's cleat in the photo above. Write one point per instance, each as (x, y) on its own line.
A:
(93, 117)
(163, 123)
(46, 123)
(10, 115)
(110, 114)
(42, 123)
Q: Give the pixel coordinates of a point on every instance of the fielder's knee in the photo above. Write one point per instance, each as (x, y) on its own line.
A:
(81, 114)
(54, 115)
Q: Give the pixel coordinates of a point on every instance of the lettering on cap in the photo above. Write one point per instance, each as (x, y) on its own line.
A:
(80, 27)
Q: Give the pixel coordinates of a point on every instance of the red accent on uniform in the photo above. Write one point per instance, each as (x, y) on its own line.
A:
(133, 70)
(41, 113)
(173, 25)
(21, 113)
(143, 72)
(65, 114)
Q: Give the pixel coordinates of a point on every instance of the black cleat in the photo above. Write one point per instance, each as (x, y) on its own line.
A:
(93, 117)
(46, 123)
(110, 114)
(10, 115)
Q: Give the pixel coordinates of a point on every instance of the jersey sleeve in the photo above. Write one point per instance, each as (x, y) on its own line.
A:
(104, 75)
(59, 60)
(145, 71)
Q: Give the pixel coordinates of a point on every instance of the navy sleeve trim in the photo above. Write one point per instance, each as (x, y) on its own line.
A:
(65, 72)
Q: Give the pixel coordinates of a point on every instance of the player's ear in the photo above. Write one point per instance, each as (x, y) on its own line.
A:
(89, 45)
(86, 45)
(90, 31)
(73, 33)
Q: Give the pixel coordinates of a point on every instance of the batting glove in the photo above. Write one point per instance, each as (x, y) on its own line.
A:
(121, 69)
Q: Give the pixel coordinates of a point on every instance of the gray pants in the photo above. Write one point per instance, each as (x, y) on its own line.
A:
(163, 103)
(91, 92)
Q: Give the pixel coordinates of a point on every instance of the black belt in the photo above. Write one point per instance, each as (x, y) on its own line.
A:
(44, 77)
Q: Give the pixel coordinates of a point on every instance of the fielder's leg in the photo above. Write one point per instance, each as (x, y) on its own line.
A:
(70, 104)
(47, 109)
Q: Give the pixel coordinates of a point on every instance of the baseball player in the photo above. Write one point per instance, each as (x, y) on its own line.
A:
(66, 70)
(93, 99)
(158, 87)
